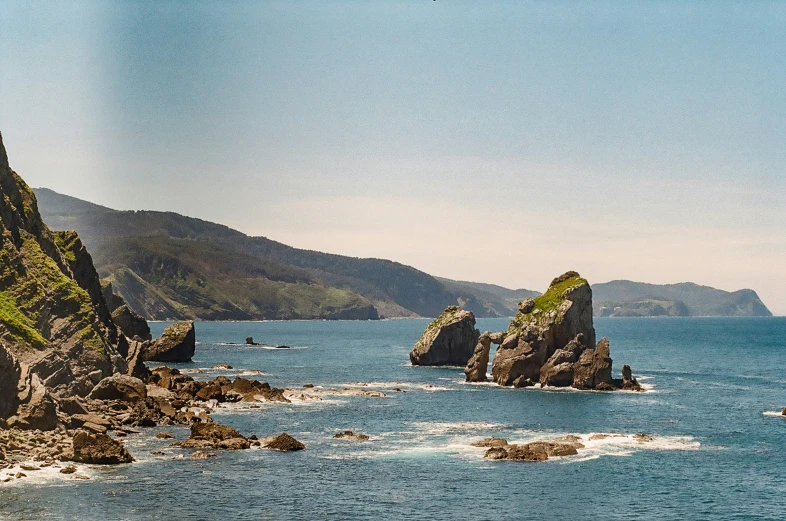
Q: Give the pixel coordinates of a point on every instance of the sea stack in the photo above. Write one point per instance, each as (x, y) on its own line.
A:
(448, 340)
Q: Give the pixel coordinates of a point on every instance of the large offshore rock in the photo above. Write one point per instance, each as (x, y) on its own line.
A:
(551, 340)
(177, 344)
(478, 365)
(448, 340)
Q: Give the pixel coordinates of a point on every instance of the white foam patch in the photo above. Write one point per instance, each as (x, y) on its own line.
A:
(446, 428)
(389, 386)
(774, 413)
(44, 476)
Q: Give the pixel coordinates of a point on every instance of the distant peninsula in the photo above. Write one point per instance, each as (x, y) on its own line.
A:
(625, 298)
(169, 266)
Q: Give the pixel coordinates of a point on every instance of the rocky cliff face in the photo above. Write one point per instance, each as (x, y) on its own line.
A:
(448, 340)
(53, 320)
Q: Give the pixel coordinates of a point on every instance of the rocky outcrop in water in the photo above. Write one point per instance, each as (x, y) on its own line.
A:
(177, 344)
(448, 340)
(551, 342)
(99, 449)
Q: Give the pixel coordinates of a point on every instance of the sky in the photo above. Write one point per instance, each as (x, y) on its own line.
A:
(494, 141)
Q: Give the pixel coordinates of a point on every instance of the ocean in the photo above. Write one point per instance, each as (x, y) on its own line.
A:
(716, 389)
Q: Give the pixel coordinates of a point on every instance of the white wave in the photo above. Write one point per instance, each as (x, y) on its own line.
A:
(774, 413)
(443, 428)
(46, 475)
(400, 385)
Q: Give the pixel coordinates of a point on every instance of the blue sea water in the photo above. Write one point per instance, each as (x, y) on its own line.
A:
(716, 453)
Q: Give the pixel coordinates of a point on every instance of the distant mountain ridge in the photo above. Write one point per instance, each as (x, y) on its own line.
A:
(624, 298)
(167, 265)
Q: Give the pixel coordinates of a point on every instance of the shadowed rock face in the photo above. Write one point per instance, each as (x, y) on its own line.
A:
(478, 364)
(9, 381)
(448, 340)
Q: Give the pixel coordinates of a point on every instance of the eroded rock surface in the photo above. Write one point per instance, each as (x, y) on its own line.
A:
(448, 340)
(177, 344)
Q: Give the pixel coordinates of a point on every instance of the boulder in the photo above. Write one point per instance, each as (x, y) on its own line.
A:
(99, 449)
(535, 451)
(214, 436)
(283, 442)
(479, 363)
(177, 344)
(448, 340)
(39, 411)
(120, 387)
(131, 324)
(491, 442)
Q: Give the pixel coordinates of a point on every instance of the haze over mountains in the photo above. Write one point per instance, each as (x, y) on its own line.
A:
(168, 266)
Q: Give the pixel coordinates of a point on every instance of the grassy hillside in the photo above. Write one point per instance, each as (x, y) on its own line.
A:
(168, 265)
(627, 298)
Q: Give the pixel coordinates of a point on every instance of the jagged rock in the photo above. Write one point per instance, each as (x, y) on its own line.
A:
(177, 344)
(448, 340)
(593, 370)
(214, 436)
(136, 365)
(39, 412)
(99, 449)
(349, 435)
(120, 387)
(9, 381)
(130, 323)
(498, 337)
(479, 363)
(558, 370)
(535, 451)
(628, 382)
(283, 442)
(250, 341)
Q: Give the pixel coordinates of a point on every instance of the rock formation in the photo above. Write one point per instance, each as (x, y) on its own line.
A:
(551, 341)
(448, 340)
(284, 443)
(177, 344)
(130, 323)
(99, 449)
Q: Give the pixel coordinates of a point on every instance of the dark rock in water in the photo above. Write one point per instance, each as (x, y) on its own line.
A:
(177, 344)
(349, 435)
(448, 340)
(214, 436)
(479, 363)
(99, 449)
(496, 453)
(120, 387)
(284, 442)
(283, 347)
(200, 454)
(222, 366)
(628, 382)
(250, 341)
(535, 451)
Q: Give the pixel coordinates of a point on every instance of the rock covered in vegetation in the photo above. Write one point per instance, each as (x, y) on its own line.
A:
(551, 341)
(99, 449)
(177, 344)
(448, 340)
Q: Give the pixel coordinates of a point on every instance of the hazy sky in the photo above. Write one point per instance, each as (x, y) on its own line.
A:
(502, 142)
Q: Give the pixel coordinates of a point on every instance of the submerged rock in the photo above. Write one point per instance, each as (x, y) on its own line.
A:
(491, 442)
(349, 435)
(448, 340)
(283, 442)
(214, 436)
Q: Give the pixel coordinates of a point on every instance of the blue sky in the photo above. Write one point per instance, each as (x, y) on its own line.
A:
(496, 141)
